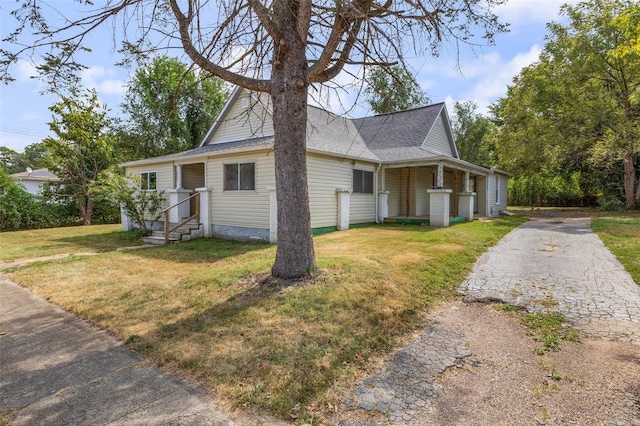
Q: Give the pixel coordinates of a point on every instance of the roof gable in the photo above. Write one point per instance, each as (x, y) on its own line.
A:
(244, 115)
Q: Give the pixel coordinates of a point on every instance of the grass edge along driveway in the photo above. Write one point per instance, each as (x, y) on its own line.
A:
(208, 311)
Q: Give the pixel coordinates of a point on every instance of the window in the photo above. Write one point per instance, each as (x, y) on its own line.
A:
(497, 190)
(362, 182)
(240, 177)
(148, 181)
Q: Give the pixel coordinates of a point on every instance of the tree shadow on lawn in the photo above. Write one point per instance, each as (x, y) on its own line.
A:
(205, 250)
(196, 251)
(103, 242)
(272, 365)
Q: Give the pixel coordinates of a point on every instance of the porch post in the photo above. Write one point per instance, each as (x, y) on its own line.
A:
(383, 205)
(440, 177)
(344, 201)
(273, 215)
(178, 176)
(183, 210)
(439, 207)
(125, 220)
(466, 182)
(205, 210)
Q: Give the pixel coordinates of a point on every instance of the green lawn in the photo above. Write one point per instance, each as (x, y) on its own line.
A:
(622, 236)
(208, 309)
(74, 239)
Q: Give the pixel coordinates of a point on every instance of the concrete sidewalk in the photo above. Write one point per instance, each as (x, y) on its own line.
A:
(56, 369)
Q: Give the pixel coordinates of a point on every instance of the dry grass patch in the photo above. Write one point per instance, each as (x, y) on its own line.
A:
(208, 310)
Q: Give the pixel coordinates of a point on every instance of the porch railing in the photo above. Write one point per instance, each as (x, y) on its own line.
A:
(196, 216)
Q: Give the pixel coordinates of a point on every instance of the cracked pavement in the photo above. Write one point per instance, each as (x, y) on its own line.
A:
(561, 265)
(545, 264)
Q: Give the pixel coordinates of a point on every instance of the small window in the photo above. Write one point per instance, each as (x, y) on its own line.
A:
(240, 177)
(497, 190)
(245, 103)
(148, 181)
(362, 182)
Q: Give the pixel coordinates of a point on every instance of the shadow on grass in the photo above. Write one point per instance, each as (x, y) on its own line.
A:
(104, 242)
(205, 250)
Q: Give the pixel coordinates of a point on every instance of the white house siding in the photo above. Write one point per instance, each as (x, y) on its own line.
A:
(324, 175)
(193, 175)
(438, 139)
(481, 195)
(164, 177)
(495, 205)
(243, 209)
(392, 183)
(243, 122)
(363, 206)
(31, 186)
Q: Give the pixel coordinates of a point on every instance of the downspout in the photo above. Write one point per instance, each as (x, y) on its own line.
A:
(376, 190)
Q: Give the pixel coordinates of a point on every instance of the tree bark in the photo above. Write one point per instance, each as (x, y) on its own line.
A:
(630, 181)
(295, 255)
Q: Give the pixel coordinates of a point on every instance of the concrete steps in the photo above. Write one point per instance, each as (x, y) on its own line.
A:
(188, 231)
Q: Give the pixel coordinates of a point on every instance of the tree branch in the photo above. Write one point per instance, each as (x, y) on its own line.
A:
(230, 76)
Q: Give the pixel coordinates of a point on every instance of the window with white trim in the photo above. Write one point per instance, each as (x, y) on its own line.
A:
(240, 177)
(362, 181)
(148, 181)
(497, 190)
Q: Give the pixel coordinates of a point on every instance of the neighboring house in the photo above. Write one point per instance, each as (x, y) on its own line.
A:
(33, 180)
(401, 166)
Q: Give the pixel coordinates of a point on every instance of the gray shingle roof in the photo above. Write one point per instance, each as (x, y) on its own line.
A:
(386, 137)
(38, 174)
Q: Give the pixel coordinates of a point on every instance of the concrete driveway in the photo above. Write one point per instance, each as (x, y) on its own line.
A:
(562, 265)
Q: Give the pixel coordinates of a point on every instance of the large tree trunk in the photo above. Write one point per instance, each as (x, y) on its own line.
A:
(630, 193)
(295, 255)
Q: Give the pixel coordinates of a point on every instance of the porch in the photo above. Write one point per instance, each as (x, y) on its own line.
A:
(435, 193)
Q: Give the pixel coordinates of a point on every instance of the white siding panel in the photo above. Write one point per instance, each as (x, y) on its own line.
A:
(481, 195)
(363, 206)
(193, 176)
(244, 122)
(164, 177)
(241, 208)
(324, 175)
(393, 179)
(437, 138)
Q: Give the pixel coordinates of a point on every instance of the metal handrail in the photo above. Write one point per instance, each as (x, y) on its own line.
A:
(165, 212)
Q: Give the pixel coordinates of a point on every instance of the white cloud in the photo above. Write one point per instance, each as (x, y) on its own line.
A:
(25, 71)
(102, 80)
(527, 11)
(494, 76)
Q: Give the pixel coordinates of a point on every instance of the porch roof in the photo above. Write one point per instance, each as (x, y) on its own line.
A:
(446, 161)
(227, 147)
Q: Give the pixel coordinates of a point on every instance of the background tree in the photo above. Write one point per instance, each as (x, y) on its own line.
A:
(391, 89)
(280, 48)
(7, 159)
(169, 109)
(82, 148)
(16, 162)
(473, 134)
(573, 112)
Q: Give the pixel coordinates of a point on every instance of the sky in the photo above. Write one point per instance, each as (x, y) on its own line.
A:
(481, 75)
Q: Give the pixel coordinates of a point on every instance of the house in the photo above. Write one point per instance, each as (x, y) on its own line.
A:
(33, 180)
(401, 166)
